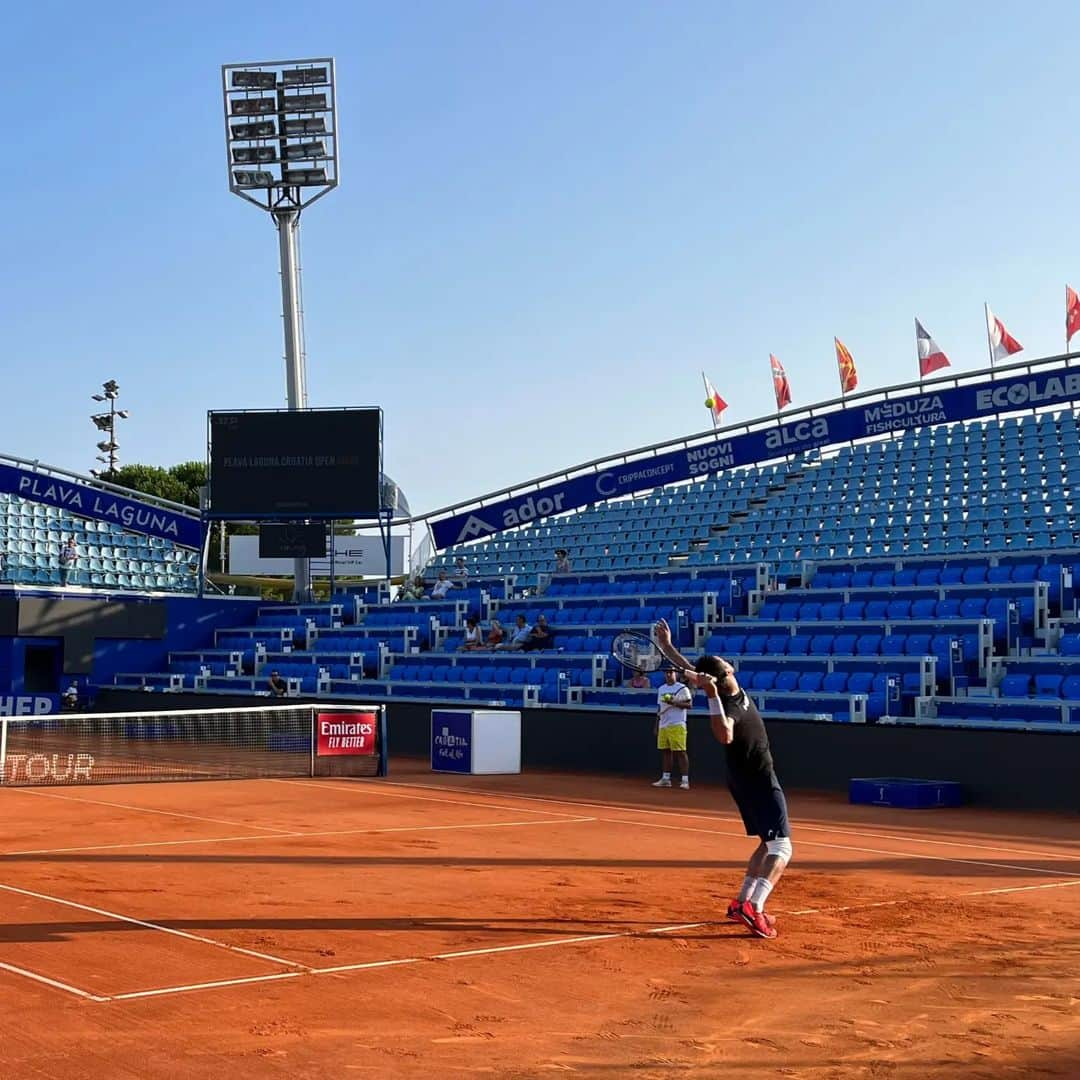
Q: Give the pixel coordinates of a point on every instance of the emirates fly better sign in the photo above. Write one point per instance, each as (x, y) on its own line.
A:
(345, 733)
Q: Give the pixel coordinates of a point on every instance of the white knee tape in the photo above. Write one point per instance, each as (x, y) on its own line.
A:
(781, 848)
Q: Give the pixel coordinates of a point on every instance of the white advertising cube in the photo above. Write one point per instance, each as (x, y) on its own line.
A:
(476, 741)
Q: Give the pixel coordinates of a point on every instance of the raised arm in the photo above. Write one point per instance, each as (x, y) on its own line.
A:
(662, 633)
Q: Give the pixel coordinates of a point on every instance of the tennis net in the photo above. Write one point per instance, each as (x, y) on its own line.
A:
(200, 744)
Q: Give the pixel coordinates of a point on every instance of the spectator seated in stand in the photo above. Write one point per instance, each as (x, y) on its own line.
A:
(495, 635)
(412, 590)
(442, 586)
(70, 700)
(639, 681)
(474, 635)
(562, 561)
(519, 639)
(460, 573)
(540, 636)
(278, 686)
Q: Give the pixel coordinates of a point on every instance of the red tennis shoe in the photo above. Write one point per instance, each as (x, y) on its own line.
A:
(760, 924)
(733, 912)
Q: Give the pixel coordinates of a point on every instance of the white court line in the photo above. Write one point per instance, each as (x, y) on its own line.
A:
(727, 816)
(977, 892)
(376, 788)
(531, 945)
(208, 985)
(152, 926)
(715, 832)
(150, 810)
(53, 983)
(300, 835)
(849, 847)
(164, 991)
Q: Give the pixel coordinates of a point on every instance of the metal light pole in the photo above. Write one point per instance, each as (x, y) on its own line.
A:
(281, 118)
(106, 422)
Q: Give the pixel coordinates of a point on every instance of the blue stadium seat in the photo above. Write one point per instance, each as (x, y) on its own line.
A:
(844, 644)
(1048, 686)
(1015, 686)
(810, 682)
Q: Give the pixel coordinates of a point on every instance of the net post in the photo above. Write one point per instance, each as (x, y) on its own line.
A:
(3, 748)
(312, 735)
(384, 756)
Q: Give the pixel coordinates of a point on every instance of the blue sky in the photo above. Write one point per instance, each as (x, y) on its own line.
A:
(552, 216)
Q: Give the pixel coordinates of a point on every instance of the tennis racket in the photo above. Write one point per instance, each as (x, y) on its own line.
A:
(639, 652)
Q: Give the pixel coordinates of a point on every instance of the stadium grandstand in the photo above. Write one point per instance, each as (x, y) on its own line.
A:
(919, 576)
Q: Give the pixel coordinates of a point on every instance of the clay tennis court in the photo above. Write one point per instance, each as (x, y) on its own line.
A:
(523, 927)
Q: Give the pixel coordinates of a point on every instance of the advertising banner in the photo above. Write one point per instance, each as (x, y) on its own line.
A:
(451, 741)
(80, 500)
(345, 733)
(901, 413)
(354, 556)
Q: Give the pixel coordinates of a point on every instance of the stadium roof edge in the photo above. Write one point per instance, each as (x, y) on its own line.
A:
(770, 420)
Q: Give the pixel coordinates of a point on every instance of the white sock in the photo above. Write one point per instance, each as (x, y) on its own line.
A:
(665, 776)
(760, 893)
(748, 883)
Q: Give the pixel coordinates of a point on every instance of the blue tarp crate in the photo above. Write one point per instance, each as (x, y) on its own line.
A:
(904, 792)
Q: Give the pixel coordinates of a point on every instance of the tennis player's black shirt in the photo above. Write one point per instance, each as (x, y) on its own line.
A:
(749, 760)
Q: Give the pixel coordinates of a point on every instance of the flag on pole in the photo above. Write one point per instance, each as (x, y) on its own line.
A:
(713, 401)
(1002, 343)
(1072, 314)
(849, 377)
(781, 386)
(931, 358)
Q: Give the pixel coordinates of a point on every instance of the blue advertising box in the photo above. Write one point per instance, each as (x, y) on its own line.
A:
(905, 792)
(451, 741)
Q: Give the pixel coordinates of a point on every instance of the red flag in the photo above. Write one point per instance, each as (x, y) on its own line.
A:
(1072, 314)
(1002, 343)
(713, 401)
(781, 386)
(931, 358)
(849, 377)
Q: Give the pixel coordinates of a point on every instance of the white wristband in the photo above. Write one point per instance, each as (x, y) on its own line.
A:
(716, 707)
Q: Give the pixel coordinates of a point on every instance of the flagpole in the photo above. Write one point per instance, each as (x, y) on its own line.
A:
(712, 412)
(989, 339)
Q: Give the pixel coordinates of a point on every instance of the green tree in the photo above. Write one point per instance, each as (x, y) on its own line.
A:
(180, 484)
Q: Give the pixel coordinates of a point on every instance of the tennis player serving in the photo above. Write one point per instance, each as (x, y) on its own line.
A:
(751, 778)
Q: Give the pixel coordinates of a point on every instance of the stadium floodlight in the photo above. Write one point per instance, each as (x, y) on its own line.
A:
(254, 155)
(308, 125)
(285, 99)
(311, 76)
(254, 80)
(305, 177)
(106, 422)
(307, 151)
(261, 129)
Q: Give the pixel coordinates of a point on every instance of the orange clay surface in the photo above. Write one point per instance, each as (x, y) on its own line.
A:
(532, 926)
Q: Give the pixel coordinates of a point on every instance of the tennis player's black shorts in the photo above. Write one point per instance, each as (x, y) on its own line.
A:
(763, 808)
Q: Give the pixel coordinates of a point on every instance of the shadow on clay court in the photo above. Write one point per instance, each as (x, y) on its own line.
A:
(924, 866)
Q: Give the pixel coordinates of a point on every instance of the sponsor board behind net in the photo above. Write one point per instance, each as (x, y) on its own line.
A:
(345, 733)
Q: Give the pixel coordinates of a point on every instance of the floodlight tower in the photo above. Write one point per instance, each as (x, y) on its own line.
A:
(106, 422)
(282, 152)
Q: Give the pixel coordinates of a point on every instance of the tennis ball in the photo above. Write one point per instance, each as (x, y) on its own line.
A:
(709, 403)
(667, 697)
